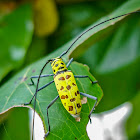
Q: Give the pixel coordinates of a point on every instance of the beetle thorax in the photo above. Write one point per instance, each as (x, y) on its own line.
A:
(58, 65)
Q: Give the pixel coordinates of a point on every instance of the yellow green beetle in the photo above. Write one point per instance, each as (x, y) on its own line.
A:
(66, 87)
(65, 83)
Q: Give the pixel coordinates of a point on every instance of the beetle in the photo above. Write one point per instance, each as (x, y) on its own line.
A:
(65, 83)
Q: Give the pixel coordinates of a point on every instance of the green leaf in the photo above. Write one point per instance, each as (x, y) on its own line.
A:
(16, 91)
(16, 125)
(88, 40)
(123, 48)
(133, 122)
(19, 92)
(16, 31)
(115, 63)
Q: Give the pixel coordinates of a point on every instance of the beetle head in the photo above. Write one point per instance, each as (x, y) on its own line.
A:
(58, 65)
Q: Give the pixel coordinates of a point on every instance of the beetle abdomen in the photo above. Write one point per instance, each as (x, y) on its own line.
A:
(68, 92)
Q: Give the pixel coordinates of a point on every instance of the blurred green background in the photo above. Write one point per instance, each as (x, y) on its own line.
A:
(30, 30)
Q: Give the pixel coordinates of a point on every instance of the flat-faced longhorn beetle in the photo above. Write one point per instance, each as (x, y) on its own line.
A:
(65, 83)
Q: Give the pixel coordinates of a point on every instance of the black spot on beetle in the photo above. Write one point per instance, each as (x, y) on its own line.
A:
(56, 65)
(73, 84)
(78, 105)
(72, 100)
(70, 108)
(60, 68)
(61, 88)
(63, 97)
(67, 97)
(68, 76)
(68, 87)
(61, 78)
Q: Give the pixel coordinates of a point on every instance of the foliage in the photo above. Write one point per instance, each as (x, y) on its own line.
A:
(17, 27)
(111, 52)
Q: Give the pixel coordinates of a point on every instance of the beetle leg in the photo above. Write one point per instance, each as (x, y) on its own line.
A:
(45, 85)
(85, 76)
(37, 91)
(91, 97)
(32, 82)
(52, 102)
(69, 62)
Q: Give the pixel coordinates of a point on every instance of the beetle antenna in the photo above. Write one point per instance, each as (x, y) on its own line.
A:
(36, 94)
(91, 29)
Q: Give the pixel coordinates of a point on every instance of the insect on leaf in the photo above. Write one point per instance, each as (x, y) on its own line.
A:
(63, 126)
